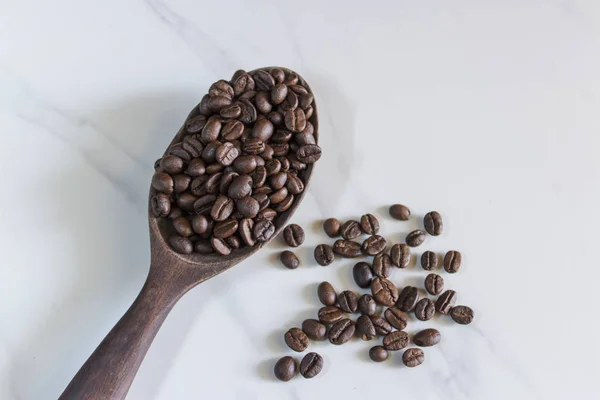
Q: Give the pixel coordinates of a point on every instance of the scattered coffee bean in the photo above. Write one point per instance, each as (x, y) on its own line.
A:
(462, 315)
(365, 328)
(348, 301)
(415, 238)
(395, 341)
(400, 254)
(429, 260)
(408, 298)
(378, 354)
(452, 261)
(289, 259)
(398, 319)
(311, 365)
(369, 224)
(382, 327)
(326, 293)
(314, 329)
(296, 339)
(330, 315)
(347, 248)
(445, 302)
(413, 357)
(434, 284)
(366, 305)
(286, 368)
(374, 245)
(384, 291)
(332, 227)
(398, 211)
(363, 275)
(425, 309)
(433, 223)
(324, 254)
(293, 235)
(382, 265)
(427, 337)
(342, 331)
(350, 230)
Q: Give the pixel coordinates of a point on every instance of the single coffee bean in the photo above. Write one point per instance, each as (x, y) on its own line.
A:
(350, 230)
(262, 199)
(332, 226)
(314, 329)
(289, 259)
(263, 102)
(400, 255)
(330, 315)
(366, 305)
(429, 260)
(285, 164)
(378, 354)
(232, 111)
(195, 124)
(248, 111)
(286, 368)
(433, 223)
(324, 254)
(209, 230)
(342, 331)
(181, 244)
(263, 130)
(248, 207)
(240, 187)
(348, 301)
(253, 146)
(293, 235)
(434, 284)
(214, 182)
(425, 309)
(305, 100)
(246, 229)
(225, 228)
(413, 357)
(369, 224)
(220, 246)
(181, 182)
(400, 212)
(161, 205)
(462, 315)
(187, 202)
(347, 248)
(183, 226)
(272, 167)
(196, 167)
(452, 261)
(279, 93)
(278, 180)
(363, 275)
(427, 337)
(326, 293)
(415, 238)
(267, 213)
(398, 319)
(294, 184)
(233, 241)
(203, 205)
(408, 298)
(221, 88)
(445, 302)
(374, 245)
(384, 291)
(211, 130)
(311, 365)
(243, 82)
(203, 247)
(262, 190)
(296, 339)
(263, 80)
(245, 164)
(382, 327)
(365, 328)
(162, 182)
(176, 212)
(309, 153)
(395, 341)
(276, 118)
(382, 265)
(227, 153)
(281, 136)
(284, 204)
(278, 196)
(263, 230)
(222, 209)
(278, 75)
(232, 130)
(171, 164)
(259, 177)
(209, 153)
(198, 185)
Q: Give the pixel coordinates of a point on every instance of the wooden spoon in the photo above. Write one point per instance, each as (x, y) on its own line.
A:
(109, 371)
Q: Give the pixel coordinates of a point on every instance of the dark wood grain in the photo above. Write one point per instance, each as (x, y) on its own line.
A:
(110, 370)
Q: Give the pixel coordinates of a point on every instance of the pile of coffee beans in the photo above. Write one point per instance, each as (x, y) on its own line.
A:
(241, 162)
(386, 311)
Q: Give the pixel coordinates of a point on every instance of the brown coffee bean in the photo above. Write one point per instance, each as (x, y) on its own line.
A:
(309, 153)
(225, 228)
(198, 185)
(382, 327)
(374, 245)
(186, 202)
(293, 235)
(296, 339)
(415, 238)
(259, 177)
(181, 182)
(378, 354)
(445, 302)
(400, 255)
(289, 259)
(366, 305)
(227, 153)
(211, 130)
(195, 124)
(209, 153)
(162, 182)
(395, 341)
(183, 226)
(222, 208)
(285, 369)
(203, 247)
(276, 118)
(263, 80)
(365, 328)
(330, 315)
(311, 365)
(295, 121)
(203, 205)
(278, 180)
(220, 246)
(267, 213)
(248, 111)
(278, 196)
(248, 207)
(273, 167)
(427, 337)
(324, 255)
(408, 298)
(384, 291)
(171, 164)
(382, 265)
(231, 111)
(279, 93)
(176, 212)
(245, 164)
(314, 329)
(399, 211)
(181, 244)
(369, 224)
(278, 75)
(363, 274)
(332, 227)
(289, 104)
(263, 130)
(242, 83)
(413, 357)
(232, 130)
(347, 248)
(348, 301)
(398, 319)
(246, 229)
(429, 260)
(452, 261)
(425, 309)
(213, 183)
(263, 102)
(221, 88)
(433, 223)
(326, 293)
(240, 187)
(263, 230)
(161, 205)
(294, 184)
(350, 230)
(434, 284)
(342, 331)
(234, 241)
(462, 315)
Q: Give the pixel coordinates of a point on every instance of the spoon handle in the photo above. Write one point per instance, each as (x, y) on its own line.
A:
(109, 371)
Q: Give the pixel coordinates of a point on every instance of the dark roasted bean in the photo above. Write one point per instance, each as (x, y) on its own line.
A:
(399, 211)
(183, 226)
(425, 309)
(347, 248)
(162, 182)
(246, 228)
(289, 259)
(384, 292)
(350, 230)
(220, 246)
(429, 260)
(226, 228)
(263, 230)
(382, 265)
(408, 298)
(363, 275)
(342, 331)
(181, 244)
(332, 227)
(378, 354)
(309, 153)
(433, 223)
(161, 205)
(445, 302)
(400, 254)
(366, 305)
(293, 235)
(296, 339)
(462, 315)
(434, 284)
(382, 327)
(324, 254)
(427, 337)
(314, 329)
(452, 261)
(395, 341)
(348, 301)
(365, 328)
(330, 315)
(374, 245)
(413, 357)
(311, 365)
(326, 293)
(286, 368)
(222, 208)
(369, 224)
(415, 238)
(398, 319)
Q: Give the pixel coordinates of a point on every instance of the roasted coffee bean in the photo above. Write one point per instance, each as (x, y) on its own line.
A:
(196, 167)
(298, 89)
(183, 226)
(365, 328)
(462, 315)
(363, 275)
(279, 93)
(278, 180)
(161, 205)
(263, 102)
(262, 199)
(263, 130)
(210, 152)
(378, 354)
(314, 329)
(263, 230)
(242, 83)
(399, 211)
(366, 305)
(295, 121)
(240, 187)
(181, 244)
(203, 106)
(211, 130)
(324, 254)
(434, 284)
(232, 130)
(395, 341)
(281, 136)
(162, 182)
(195, 124)
(263, 80)
(413, 357)
(289, 259)
(293, 235)
(248, 207)
(289, 104)
(181, 152)
(291, 79)
(332, 227)
(311, 365)
(245, 164)
(213, 168)
(234, 241)
(445, 302)
(452, 261)
(221, 88)
(216, 103)
(309, 153)
(276, 118)
(350, 230)
(294, 184)
(248, 111)
(267, 213)
(259, 177)
(305, 100)
(382, 327)
(213, 183)
(246, 229)
(226, 228)
(273, 167)
(425, 309)
(384, 291)
(222, 208)
(231, 111)
(427, 337)
(203, 247)
(278, 196)
(193, 147)
(285, 164)
(369, 224)
(326, 293)
(280, 149)
(187, 202)
(171, 164)
(296, 339)
(433, 223)
(181, 182)
(400, 254)
(278, 75)
(285, 204)
(227, 153)
(176, 212)
(198, 185)
(347, 248)
(408, 298)
(382, 265)
(342, 331)
(220, 246)
(415, 238)
(285, 369)
(209, 230)
(374, 245)
(254, 146)
(348, 301)
(398, 319)
(204, 204)
(330, 315)
(429, 260)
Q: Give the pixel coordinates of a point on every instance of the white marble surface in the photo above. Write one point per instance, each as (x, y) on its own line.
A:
(484, 110)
